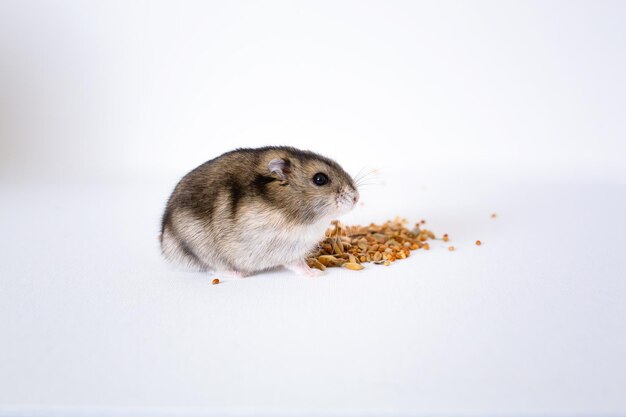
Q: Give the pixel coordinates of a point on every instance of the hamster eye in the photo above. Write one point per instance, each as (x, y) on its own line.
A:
(320, 179)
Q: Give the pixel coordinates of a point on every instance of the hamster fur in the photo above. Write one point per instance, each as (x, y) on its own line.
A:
(250, 210)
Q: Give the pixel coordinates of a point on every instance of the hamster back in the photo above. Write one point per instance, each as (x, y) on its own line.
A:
(254, 209)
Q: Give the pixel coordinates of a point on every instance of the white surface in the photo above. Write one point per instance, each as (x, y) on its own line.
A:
(531, 322)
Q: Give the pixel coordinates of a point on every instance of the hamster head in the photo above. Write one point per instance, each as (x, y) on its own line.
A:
(314, 185)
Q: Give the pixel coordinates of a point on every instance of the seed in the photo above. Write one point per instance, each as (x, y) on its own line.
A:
(450, 248)
(494, 215)
(380, 238)
(478, 243)
(445, 237)
(353, 266)
(317, 264)
(336, 248)
(215, 281)
(387, 263)
(426, 246)
(327, 260)
(422, 221)
(340, 247)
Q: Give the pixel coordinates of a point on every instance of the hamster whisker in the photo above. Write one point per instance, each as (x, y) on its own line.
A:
(359, 173)
(365, 177)
(363, 173)
(371, 182)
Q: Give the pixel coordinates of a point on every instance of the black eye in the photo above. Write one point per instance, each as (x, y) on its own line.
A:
(320, 179)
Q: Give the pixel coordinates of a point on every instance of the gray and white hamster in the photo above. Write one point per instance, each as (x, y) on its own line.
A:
(250, 210)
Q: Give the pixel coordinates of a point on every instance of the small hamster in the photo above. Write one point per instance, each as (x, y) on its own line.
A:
(250, 210)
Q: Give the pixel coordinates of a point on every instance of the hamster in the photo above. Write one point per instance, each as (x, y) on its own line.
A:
(250, 210)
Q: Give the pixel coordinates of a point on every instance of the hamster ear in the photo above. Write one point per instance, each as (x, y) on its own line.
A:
(280, 167)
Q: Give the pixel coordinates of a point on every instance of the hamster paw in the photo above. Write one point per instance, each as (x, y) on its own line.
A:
(301, 268)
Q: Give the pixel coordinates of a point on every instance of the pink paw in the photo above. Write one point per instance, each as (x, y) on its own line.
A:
(302, 269)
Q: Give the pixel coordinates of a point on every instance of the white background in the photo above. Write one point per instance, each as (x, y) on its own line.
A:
(462, 108)
(530, 89)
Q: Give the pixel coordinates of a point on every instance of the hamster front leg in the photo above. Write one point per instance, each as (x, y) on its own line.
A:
(301, 268)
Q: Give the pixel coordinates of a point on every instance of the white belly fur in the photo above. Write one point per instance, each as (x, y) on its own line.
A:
(268, 240)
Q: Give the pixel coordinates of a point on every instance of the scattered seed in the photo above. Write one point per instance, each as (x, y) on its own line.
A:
(338, 248)
(450, 248)
(445, 237)
(494, 215)
(215, 281)
(317, 264)
(327, 260)
(478, 243)
(353, 265)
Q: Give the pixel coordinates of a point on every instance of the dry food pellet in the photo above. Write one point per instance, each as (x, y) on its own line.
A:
(445, 237)
(478, 243)
(215, 281)
(450, 248)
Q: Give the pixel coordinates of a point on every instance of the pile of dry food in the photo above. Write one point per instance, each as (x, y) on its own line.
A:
(352, 246)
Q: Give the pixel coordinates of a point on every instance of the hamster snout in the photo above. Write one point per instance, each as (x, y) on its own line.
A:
(347, 199)
(254, 209)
